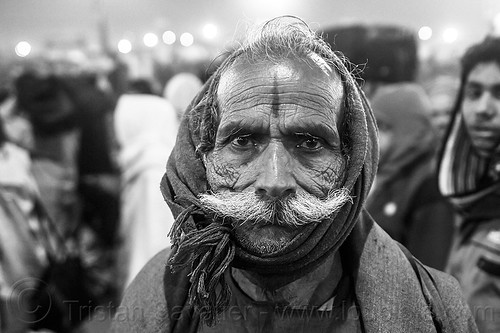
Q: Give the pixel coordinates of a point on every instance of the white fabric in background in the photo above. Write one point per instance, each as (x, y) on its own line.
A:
(146, 129)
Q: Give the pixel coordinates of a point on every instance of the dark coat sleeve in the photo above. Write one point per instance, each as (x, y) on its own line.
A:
(430, 225)
(143, 308)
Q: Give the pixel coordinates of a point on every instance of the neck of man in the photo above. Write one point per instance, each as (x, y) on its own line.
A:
(312, 289)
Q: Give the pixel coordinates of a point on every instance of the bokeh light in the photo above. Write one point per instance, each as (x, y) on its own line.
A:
(496, 25)
(186, 39)
(450, 35)
(169, 37)
(22, 49)
(124, 46)
(425, 33)
(210, 31)
(150, 39)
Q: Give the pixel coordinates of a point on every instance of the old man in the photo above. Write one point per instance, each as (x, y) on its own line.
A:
(267, 181)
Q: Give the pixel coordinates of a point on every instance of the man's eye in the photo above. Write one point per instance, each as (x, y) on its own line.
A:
(243, 142)
(473, 93)
(311, 144)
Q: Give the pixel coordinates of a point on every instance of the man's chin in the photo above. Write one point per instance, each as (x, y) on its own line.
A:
(484, 145)
(264, 239)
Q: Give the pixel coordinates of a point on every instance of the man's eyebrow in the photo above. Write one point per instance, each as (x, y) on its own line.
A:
(244, 126)
(474, 84)
(320, 129)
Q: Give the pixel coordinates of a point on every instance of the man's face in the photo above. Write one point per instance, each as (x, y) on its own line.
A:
(481, 107)
(278, 136)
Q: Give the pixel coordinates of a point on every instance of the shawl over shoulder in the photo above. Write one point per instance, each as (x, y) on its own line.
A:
(386, 288)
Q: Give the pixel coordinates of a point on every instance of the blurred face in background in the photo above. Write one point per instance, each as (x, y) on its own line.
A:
(442, 105)
(481, 107)
(442, 92)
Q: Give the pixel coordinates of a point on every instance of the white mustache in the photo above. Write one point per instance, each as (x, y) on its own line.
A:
(295, 210)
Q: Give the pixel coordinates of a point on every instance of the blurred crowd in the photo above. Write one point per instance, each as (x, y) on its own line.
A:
(82, 154)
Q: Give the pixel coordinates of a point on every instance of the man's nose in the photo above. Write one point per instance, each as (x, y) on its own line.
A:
(485, 107)
(275, 177)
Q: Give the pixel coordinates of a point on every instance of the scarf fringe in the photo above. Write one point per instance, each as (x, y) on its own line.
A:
(209, 251)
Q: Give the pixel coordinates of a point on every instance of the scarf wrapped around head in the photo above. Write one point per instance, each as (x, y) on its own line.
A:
(208, 248)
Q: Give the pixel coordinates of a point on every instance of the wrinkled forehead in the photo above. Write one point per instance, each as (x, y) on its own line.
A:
(308, 68)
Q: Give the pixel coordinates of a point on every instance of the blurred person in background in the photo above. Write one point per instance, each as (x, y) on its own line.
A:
(17, 127)
(442, 91)
(98, 180)
(46, 103)
(43, 285)
(405, 199)
(469, 176)
(146, 127)
(180, 91)
(23, 259)
(70, 117)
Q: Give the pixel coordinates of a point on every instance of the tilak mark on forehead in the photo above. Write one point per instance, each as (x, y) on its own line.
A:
(275, 105)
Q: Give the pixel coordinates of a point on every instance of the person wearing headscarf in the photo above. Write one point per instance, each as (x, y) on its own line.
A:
(267, 181)
(469, 176)
(405, 199)
(145, 126)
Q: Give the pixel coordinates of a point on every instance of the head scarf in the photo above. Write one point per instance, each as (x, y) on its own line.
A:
(208, 248)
